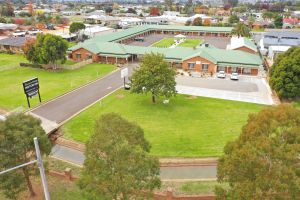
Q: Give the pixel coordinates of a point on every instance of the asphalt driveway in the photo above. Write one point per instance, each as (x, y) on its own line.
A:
(247, 89)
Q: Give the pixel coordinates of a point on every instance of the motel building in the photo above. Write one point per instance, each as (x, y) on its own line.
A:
(240, 56)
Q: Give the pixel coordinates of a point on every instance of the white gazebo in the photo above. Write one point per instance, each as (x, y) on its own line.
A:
(179, 38)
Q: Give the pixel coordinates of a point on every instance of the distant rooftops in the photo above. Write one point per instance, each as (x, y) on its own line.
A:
(278, 38)
(14, 41)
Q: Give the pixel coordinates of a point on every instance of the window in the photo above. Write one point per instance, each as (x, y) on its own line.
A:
(247, 71)
(191, 65)
(89, 56)
(78, 56)
(205, 67)
(221, 68)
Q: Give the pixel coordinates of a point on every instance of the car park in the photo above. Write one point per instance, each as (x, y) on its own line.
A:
(234, 76)
(221, 74)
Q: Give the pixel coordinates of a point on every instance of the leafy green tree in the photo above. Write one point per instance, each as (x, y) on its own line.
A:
(17, 147)
(233, 19)
(241, 30)
(47, 49)
(263, 163)
(285, 74)
(232, 3)
(117, 164)
(75, 27)
(188, 23)
(168, 4)
(268, 15)
(2, 20)
(197, 21)
(278, 21)
(154, 76)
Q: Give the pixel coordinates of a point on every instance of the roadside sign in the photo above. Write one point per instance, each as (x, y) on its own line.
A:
(31, 88)
(124, 72)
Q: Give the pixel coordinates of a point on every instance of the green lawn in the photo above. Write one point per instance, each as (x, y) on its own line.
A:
(10, 61)
(190, 43)
(192, 188)
(164, 43)
(52, 83)
(187, 127)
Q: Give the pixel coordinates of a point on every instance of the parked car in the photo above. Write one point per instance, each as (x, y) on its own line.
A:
(50, 27)
(234, 76)
(34, 31)
(221, 74)
(19, 33)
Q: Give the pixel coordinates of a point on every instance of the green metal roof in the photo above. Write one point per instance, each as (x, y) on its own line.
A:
(104, 45)
(250, 44)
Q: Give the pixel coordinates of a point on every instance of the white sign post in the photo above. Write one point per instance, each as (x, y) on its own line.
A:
(124, 73)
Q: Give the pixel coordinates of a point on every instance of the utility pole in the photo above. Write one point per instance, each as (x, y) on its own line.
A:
(39, 162)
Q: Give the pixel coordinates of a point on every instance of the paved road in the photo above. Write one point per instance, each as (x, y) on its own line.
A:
(167, 173)
(62, 108)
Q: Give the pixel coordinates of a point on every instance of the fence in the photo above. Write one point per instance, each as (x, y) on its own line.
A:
(168, 195)
(77, 65)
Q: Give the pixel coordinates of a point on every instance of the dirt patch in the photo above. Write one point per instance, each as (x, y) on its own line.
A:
(3, 112)
(120, 96)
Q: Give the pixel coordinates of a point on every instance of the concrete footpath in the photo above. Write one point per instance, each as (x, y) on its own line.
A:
(180, 172)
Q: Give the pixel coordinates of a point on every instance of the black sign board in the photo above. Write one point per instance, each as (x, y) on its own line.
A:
(31, 89)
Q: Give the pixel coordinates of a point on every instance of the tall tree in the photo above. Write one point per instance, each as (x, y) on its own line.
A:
(278, 21)
(76, 27)
(117, 164)
(169, 4)
(285, 74)
(154, 76)
(241, 30)
(233, 19)
(48, 49)
(197, 21)
(232, 3)
(17, 147)
(263, 163)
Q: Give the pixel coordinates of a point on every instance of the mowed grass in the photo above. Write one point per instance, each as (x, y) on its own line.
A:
(52, 83)
(164, 43)
(186, 127)
(10, 61)
(190, 43)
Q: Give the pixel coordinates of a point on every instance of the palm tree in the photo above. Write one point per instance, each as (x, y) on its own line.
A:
(241, 30)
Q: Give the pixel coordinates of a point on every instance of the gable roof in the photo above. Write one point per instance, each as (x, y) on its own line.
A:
(105, 46)
(238, 42)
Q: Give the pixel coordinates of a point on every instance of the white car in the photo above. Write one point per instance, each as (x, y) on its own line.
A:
(234, 76)
(221, 74)
(19, 33)
(34, 31)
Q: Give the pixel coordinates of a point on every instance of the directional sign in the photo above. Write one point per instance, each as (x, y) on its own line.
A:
(31, 89)
(124, 72)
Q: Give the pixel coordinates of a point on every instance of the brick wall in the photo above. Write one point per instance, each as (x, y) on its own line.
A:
(84, 55)
(212, 68)
(246, 49)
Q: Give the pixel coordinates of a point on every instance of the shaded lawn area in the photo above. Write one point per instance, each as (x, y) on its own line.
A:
(10, 61)
(52, 83)
(164, 43)
(190, 43)
(192, 188)
(187, 127)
